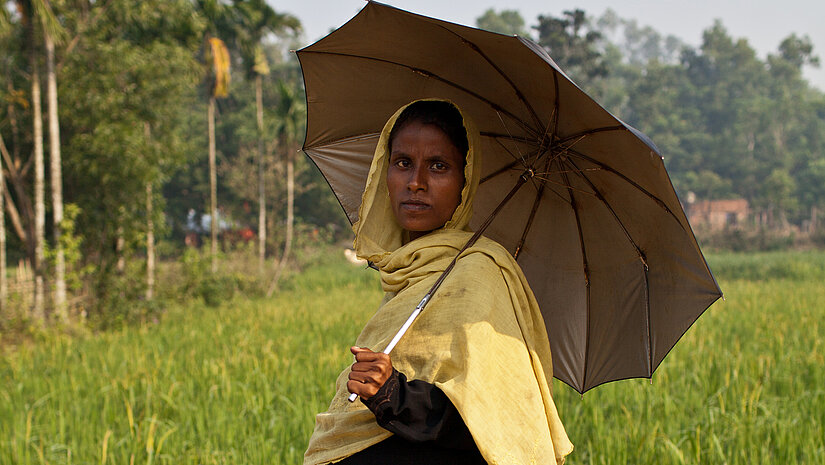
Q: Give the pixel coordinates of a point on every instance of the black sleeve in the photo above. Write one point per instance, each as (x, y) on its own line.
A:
(418, 412)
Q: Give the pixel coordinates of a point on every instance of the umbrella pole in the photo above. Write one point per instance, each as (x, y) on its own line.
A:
(523, 178)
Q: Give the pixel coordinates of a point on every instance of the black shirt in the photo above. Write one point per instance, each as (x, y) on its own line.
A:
(426, 427)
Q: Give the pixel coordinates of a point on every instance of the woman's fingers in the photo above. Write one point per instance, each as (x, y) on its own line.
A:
(369, 372)
(361, 377)
(363, 354)
(362, 383)
(365, 391)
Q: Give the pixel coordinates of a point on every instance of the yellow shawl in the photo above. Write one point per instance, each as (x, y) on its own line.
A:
(481, 339)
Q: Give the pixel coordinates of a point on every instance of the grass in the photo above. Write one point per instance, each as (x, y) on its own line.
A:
(241, 383)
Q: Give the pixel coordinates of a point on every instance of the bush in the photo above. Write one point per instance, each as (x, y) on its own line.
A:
(199, 282)
(746, 240)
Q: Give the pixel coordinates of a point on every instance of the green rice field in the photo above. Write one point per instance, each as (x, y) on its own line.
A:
(241, 383)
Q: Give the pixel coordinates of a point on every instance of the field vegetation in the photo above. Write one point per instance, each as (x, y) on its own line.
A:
(240, 382)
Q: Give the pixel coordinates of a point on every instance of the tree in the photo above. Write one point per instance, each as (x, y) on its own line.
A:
(505, 22)
(3, 284)
(291, 113)
(29, 16)
(33, 13)
(574, 45)
(51, 31)
(5, 26)
(257, 20)
(144, 54)
(219, 61)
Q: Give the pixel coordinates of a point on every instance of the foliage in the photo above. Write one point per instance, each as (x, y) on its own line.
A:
(746, 240)
(728, 123)
(197, 282)
(504, 22)
(76, 271)
(131, 88)
(574, 43)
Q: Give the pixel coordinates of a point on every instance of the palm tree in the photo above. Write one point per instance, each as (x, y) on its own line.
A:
(150, 226)
(4, 289)
(3, 284)
(27, 10)
(290, 112)
(256, 20)
(219, 59)
(221, 22)
(32, 11)
(51, 31)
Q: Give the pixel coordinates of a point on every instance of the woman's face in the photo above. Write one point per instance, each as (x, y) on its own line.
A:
(424, 178)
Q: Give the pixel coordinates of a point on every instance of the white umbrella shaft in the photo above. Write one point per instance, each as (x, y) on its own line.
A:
(400, 333)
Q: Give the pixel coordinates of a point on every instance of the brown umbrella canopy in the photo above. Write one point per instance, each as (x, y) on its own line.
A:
(597, 229)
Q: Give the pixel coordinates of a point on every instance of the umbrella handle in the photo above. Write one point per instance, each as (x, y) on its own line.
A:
(400, 333)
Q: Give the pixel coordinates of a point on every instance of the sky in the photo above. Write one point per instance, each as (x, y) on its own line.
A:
(764, 23)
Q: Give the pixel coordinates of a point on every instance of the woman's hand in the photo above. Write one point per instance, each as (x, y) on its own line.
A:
(369, 372)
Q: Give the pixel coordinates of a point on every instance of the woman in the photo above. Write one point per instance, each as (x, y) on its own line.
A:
(477, 359)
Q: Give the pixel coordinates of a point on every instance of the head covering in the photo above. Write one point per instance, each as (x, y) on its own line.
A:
(480, 332)
(377, 232)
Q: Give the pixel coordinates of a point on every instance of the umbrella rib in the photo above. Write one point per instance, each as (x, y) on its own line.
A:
(505, 168)
(641, 189)
(556, 105)
(496, 135)
(587, 133)
(642, 258)
(519, 94)
(515, 158)
(355, 138)
(430, 74)
(536, 202)
(560, 196)
(649, 332)
(609, 207)
(547, 128)
(546, 180)
(586, 271)
(530, 219)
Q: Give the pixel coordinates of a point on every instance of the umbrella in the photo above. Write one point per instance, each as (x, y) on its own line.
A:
(596, 225)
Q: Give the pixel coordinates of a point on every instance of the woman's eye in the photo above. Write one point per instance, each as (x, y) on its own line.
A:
(439, 166)
(402, 163)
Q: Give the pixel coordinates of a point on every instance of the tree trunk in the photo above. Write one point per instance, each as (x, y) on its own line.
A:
(56, 181)
(213, 186)
(290, 196)
(4, 288)
(24, 231)
(261, 184)
(6, 202)
(120, 244)
(150, 245)
(15, 132)
(39, 194)
(150, 229)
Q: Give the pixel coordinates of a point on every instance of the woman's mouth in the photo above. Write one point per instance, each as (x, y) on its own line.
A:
(414, 205)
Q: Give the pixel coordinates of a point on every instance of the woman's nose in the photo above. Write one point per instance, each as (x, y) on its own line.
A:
(417, 180)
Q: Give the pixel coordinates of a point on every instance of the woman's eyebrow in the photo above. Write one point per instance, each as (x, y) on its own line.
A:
(438, 157)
